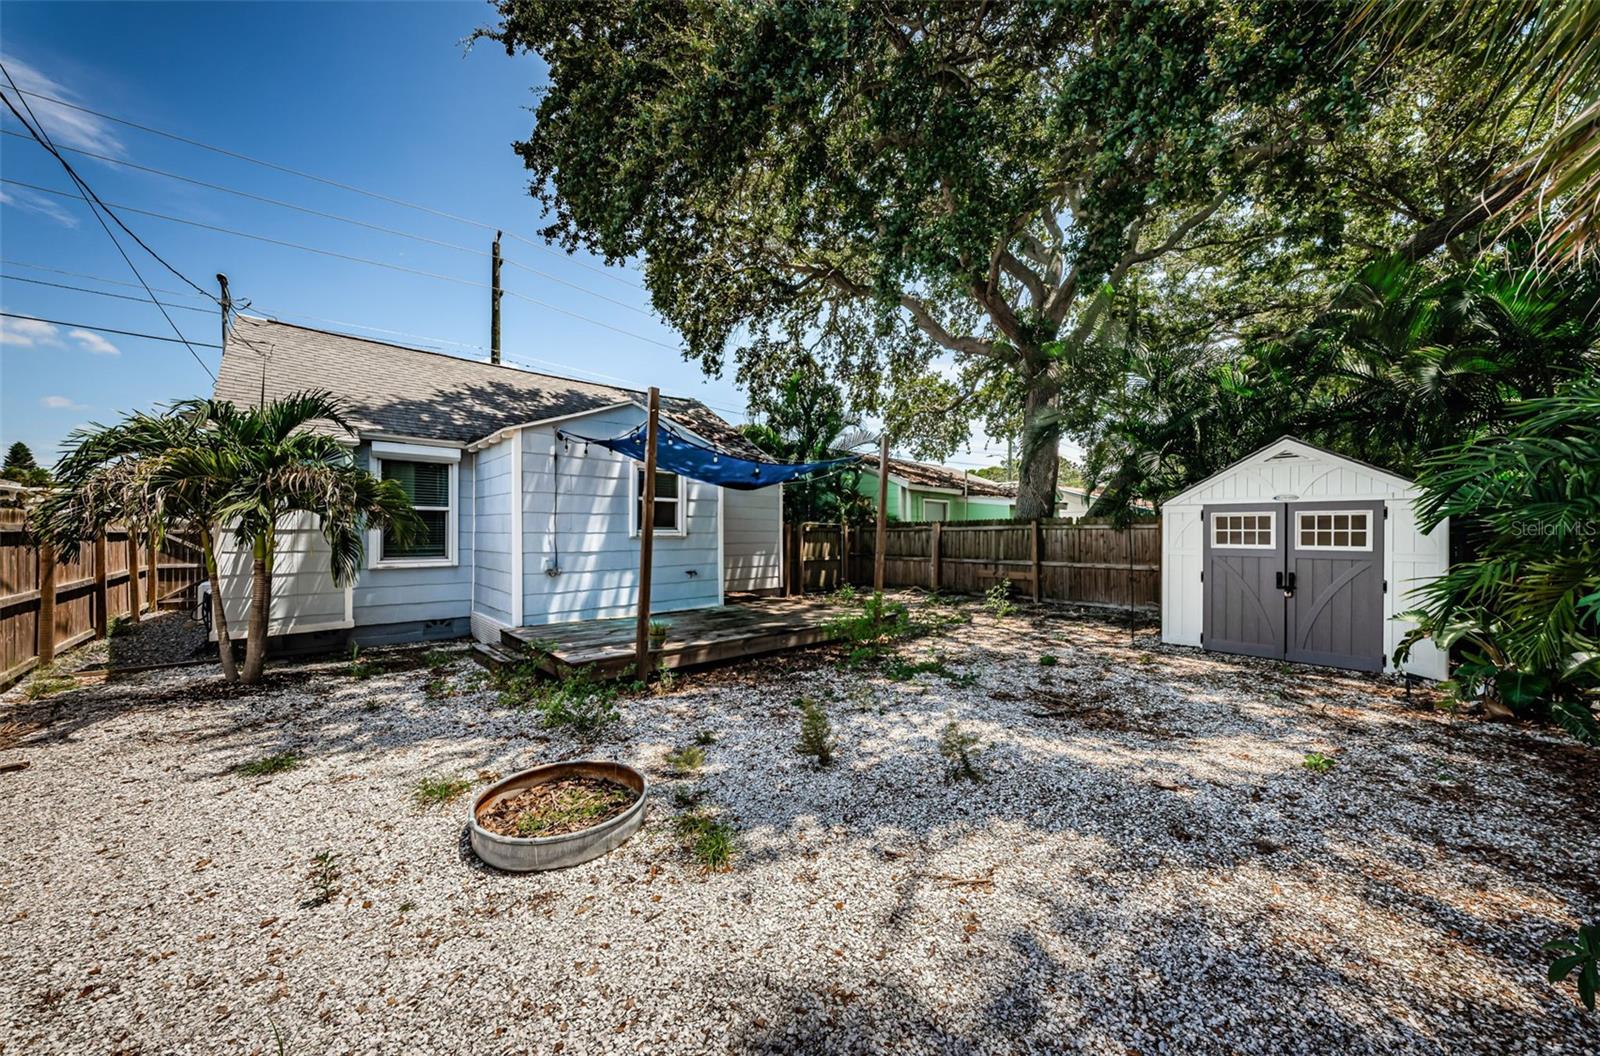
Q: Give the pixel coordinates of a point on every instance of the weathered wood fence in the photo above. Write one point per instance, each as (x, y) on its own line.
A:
(49, 604)
(1085, 562)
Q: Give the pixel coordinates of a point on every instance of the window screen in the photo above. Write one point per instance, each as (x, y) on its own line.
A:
(1241, 529)
(428, 486)
(1335, 531)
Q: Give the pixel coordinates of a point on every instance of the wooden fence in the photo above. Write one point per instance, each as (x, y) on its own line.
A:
(1084, 562)
(50, 604)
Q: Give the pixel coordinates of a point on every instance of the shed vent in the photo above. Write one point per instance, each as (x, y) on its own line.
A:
(1283, 455)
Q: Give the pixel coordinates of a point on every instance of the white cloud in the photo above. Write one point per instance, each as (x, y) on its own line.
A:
(93, 342)
(73, 128)
(30, 202)
(61, 403)
(28, 333)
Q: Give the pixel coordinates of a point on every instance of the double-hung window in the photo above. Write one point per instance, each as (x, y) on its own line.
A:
(430, 484)
(668, 519)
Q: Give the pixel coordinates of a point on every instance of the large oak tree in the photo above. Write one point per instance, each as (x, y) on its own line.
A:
(930, 199)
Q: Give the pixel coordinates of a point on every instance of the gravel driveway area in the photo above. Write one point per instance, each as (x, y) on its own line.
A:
(1147, 866)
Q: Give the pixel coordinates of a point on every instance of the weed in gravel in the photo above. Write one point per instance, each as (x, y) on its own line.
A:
(119, 626)
(361, 667)
(686, 760)
(1579, 957)
(1048, 660)
(437, 660)
(709, 841)
(437, 791)
(845, 595)
(439, 687)
(47, 681)
(1318, 763)
(705, 738)
(407, 907)
(579, 702)
(867, 632)
(686, 798)
(277, 763)
(960, 750)
(997, 599)
(816, 733)
(324, 877)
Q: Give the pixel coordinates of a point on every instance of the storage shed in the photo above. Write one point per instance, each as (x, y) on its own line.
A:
(1296, 553)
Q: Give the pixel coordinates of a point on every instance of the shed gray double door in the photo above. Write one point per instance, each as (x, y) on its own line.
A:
(1298, 581)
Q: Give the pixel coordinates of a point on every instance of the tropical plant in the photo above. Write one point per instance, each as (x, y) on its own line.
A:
(1523, 611)
(1579, 956)
(803, 419)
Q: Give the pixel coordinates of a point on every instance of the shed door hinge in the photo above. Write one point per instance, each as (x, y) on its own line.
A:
(1386, 511)
(1386, 586)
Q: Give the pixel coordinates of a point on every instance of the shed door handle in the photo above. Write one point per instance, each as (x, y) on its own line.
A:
(1280, 580)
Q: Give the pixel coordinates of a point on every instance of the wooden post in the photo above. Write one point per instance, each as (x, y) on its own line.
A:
(800, 558)
(883, 513)
(46, 629)
(936, 556)
(153, 577)
(102, 603)
(1038, 567)
(647, 539)
(844, 553)
(133, 573)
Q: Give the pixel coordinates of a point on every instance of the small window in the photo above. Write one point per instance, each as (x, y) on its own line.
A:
(935, 510)
(1334, 530)
(669, 502)
(1253, 530)
(428, 485)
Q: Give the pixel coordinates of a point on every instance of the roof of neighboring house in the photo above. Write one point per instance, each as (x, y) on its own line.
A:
(921, 474)
(397, 391)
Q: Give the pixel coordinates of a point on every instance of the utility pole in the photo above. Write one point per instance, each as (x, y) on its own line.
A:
(226, 303)
(494, 302)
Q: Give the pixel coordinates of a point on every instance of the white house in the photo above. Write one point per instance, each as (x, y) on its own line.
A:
(1299, 554)
(524, 528)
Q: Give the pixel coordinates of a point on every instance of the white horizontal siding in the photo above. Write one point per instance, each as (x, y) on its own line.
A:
(752, 539)
(491, 539)
(304, 596)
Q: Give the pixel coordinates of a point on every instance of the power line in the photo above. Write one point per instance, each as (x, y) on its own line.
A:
(110, 330)
(322, 214)
(104, 293)
(324, 180)
(91, 200)
(351, 258)
(93, 278)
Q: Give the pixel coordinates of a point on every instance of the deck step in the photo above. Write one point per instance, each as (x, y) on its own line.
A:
(493, 657)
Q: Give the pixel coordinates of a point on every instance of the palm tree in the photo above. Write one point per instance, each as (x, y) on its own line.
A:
(167, 471)
(282, 467)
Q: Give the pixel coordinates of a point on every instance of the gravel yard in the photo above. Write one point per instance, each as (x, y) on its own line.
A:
(1147, 866)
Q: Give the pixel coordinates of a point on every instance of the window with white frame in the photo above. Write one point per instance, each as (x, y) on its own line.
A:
(1253, 530)
(935, 510)
(668, 519)
(431, 488)
(1334, 530)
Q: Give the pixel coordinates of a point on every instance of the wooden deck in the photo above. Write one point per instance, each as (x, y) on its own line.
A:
(745, 627)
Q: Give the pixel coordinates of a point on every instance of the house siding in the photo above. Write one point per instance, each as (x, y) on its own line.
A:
(582, 562)
(491, 537)
(304, 596)
(752, 539)
(405, 595)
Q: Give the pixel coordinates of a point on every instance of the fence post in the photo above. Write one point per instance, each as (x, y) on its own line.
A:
(936, 556)
(153, 577)
(133, 573)
(1038, 567)
(800, 557)
(102, 603)
(45, 629)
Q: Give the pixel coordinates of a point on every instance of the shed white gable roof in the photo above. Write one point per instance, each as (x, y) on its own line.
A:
(1288, 470)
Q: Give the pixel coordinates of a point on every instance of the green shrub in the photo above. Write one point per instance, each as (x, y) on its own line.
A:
(1048, 660)
(866, 632)
(1318, 763)
(1580, 957)
(816, 733)
(578, 702)
(277, 763)
(708, 840)
(705, 738)
(960, 750)
(437, 791)
(686, 760)
(119, 626)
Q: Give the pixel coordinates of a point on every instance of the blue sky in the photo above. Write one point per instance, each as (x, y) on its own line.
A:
(384, 97)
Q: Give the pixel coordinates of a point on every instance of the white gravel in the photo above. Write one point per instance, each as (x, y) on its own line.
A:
(1153, 871)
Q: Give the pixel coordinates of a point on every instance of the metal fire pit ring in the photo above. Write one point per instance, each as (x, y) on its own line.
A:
(520, 855)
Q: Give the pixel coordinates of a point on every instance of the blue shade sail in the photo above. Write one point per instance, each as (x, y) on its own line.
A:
(677, 454)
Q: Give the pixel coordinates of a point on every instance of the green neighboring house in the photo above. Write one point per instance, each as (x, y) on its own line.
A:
(920, 492)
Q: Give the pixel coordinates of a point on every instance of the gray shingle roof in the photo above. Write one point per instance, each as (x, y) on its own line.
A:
(397, 391)
(921, 473)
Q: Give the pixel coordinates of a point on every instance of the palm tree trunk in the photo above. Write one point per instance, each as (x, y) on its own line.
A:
(255, 649)
(219, 617)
